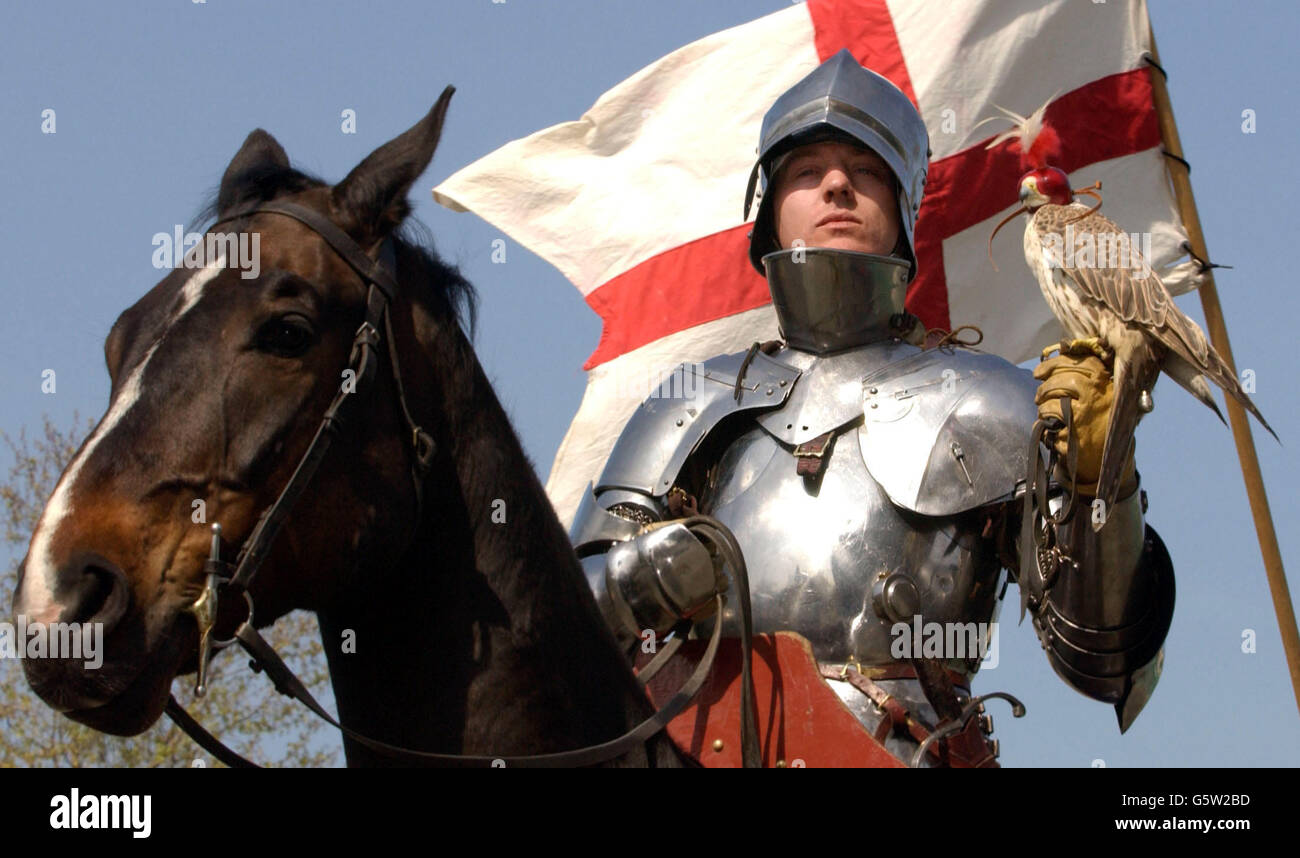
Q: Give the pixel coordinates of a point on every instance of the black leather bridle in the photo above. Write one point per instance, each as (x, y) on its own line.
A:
(379, 275)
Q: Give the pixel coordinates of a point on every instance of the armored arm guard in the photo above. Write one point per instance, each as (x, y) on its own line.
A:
(1102, 602)
(656, 578)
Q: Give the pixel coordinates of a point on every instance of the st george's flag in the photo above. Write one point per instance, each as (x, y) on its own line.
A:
(652, 178)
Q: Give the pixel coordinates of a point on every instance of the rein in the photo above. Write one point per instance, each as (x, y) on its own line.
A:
(379, 276)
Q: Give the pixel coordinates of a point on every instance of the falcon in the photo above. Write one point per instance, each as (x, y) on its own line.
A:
(1108, 299)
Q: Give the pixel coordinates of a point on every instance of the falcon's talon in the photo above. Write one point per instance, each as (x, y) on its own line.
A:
(1087, 346)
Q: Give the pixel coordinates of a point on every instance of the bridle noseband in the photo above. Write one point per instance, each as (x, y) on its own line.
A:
(379, 275)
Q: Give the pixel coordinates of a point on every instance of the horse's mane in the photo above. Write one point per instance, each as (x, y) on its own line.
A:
(414, 241)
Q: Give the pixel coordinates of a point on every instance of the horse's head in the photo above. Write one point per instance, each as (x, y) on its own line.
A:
(219, 382)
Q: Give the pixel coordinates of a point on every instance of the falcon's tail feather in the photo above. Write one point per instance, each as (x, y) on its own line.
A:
(1217, 370)
(1191, 380)
(1250, 406)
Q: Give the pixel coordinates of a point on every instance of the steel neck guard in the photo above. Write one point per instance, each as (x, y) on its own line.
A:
(828, 300)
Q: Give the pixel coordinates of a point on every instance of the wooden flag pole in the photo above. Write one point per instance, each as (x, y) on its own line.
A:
(1241, 434)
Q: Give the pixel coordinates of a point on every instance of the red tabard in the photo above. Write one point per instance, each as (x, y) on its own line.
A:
(801, 722)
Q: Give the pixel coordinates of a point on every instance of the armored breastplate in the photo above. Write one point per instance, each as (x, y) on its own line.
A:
(830, 555)
(869, 488)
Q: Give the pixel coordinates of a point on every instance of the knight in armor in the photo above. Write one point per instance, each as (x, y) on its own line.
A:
(874, 485)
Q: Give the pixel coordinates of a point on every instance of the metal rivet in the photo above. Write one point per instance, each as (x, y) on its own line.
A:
(871, 390)
(780, 764)
(679, 421)
(769, 391)
(875, 405)
(782, 382)
(717, 744)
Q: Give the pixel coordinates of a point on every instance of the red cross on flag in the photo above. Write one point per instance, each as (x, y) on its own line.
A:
(655, 172)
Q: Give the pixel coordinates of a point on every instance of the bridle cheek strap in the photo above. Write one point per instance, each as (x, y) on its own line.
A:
(379, 275)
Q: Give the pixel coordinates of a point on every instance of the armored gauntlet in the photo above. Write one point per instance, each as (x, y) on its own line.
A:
(660, 577)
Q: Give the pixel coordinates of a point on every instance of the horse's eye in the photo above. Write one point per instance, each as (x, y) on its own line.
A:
(286, 336)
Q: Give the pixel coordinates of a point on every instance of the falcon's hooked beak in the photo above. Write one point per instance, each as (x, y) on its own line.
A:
(1039, 188)
(1030, 197)
(1046, 185)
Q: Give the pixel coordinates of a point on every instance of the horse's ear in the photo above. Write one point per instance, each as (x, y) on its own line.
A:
(373, 195)
(260, 151)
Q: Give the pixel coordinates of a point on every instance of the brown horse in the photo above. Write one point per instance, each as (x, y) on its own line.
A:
(469, 626)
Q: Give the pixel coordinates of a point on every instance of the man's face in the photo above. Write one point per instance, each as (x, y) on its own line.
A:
(836, 195)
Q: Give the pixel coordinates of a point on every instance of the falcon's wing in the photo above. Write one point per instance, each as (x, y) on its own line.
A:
(1134, 293)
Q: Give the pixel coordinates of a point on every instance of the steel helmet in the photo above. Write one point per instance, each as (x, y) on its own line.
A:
(840, 100)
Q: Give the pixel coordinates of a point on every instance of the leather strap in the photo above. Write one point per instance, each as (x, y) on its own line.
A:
(896, 714)
(205, 740)
(259, 542)
(370, 270)
(966, 748)
(744, 365)
(811, 455)
(729, 548)
(665, 654)
(970, 748)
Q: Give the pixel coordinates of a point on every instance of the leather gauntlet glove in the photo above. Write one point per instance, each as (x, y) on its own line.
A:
(1087, 381)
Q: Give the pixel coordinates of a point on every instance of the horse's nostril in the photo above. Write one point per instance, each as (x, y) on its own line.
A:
(99, 593)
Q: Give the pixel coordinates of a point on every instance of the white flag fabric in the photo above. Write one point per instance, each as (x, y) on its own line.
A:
(654, 174)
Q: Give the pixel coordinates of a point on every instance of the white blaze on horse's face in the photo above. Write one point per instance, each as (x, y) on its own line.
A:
(36, 598)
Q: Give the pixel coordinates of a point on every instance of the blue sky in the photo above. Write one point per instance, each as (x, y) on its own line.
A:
(153, 99)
